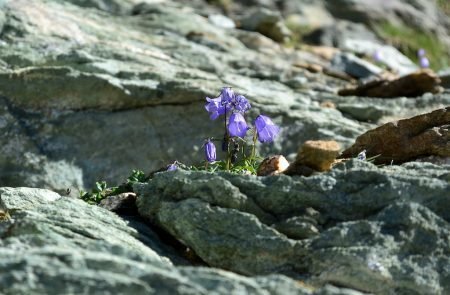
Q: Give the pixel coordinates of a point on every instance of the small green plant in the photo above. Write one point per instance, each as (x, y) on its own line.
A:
(101, 189)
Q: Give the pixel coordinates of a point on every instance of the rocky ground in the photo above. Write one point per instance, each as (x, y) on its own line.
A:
(90, 90)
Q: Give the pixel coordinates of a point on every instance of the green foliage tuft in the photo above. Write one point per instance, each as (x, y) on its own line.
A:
(248, 166)
(101, 189)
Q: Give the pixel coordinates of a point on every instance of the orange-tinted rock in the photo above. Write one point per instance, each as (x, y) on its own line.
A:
(272, 166)
(406, 140)
(411, 85)
(318, 154)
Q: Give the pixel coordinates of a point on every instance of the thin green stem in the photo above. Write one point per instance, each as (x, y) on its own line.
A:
(227, 137)
(255, 137)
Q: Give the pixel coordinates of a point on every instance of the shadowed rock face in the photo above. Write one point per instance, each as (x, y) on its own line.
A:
(359, 226)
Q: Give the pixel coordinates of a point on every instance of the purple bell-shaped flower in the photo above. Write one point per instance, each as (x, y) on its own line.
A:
(237, 125)
(266, 129)
(210, 151)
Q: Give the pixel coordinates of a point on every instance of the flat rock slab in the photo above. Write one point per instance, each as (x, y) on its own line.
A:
(406, 140)
(59, 245)
(411, 85)
(364, 227)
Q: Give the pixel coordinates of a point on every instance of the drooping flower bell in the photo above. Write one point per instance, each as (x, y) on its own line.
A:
(378, 55)
(172, 167)
(214, 107)
(362, 155)
(237, 125)
(227, 97)
(424, 62)
(266, 129)
(241, 104)
(210, 151)
(421, 52)
(221, 104)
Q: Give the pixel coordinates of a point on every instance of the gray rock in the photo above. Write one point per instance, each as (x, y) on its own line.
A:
(389, 55)
(444, 75)
(354, 66)
(421, 14)
(268, 23)
(337, 34)
(382, 110)
(58, 245)
(357, 244)
(142, 94)
(363, 112)
(222, 21)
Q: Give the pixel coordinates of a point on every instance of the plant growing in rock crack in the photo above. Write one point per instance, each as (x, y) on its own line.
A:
(101, 189)
(233, 106)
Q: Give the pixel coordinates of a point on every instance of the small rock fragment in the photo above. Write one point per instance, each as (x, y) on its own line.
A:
(222, 21)
(272, 166)
(297, 228)
(318, 154)
(354, 66)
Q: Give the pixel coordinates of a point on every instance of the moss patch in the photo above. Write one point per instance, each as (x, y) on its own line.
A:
(408, 41)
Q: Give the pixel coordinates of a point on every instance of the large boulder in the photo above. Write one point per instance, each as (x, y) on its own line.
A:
(360, 226)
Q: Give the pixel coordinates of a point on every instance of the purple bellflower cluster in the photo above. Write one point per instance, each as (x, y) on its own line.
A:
(233, 106)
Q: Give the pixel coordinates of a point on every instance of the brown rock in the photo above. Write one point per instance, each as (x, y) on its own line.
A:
(272, 166)
(411, 85)
(406, 140)
(318, 154)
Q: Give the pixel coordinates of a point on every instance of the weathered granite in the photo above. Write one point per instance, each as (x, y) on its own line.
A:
(59, 245)
(89, 85)
(347, 234)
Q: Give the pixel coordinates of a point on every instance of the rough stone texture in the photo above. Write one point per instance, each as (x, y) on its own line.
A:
(411, 85)
(423, 15)
(378, 230)
(406, 140)
(59, 245)
(339, 33)
(268, 23)
(354, 66)
(318, 154)
(390, 56)
(98, 91)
